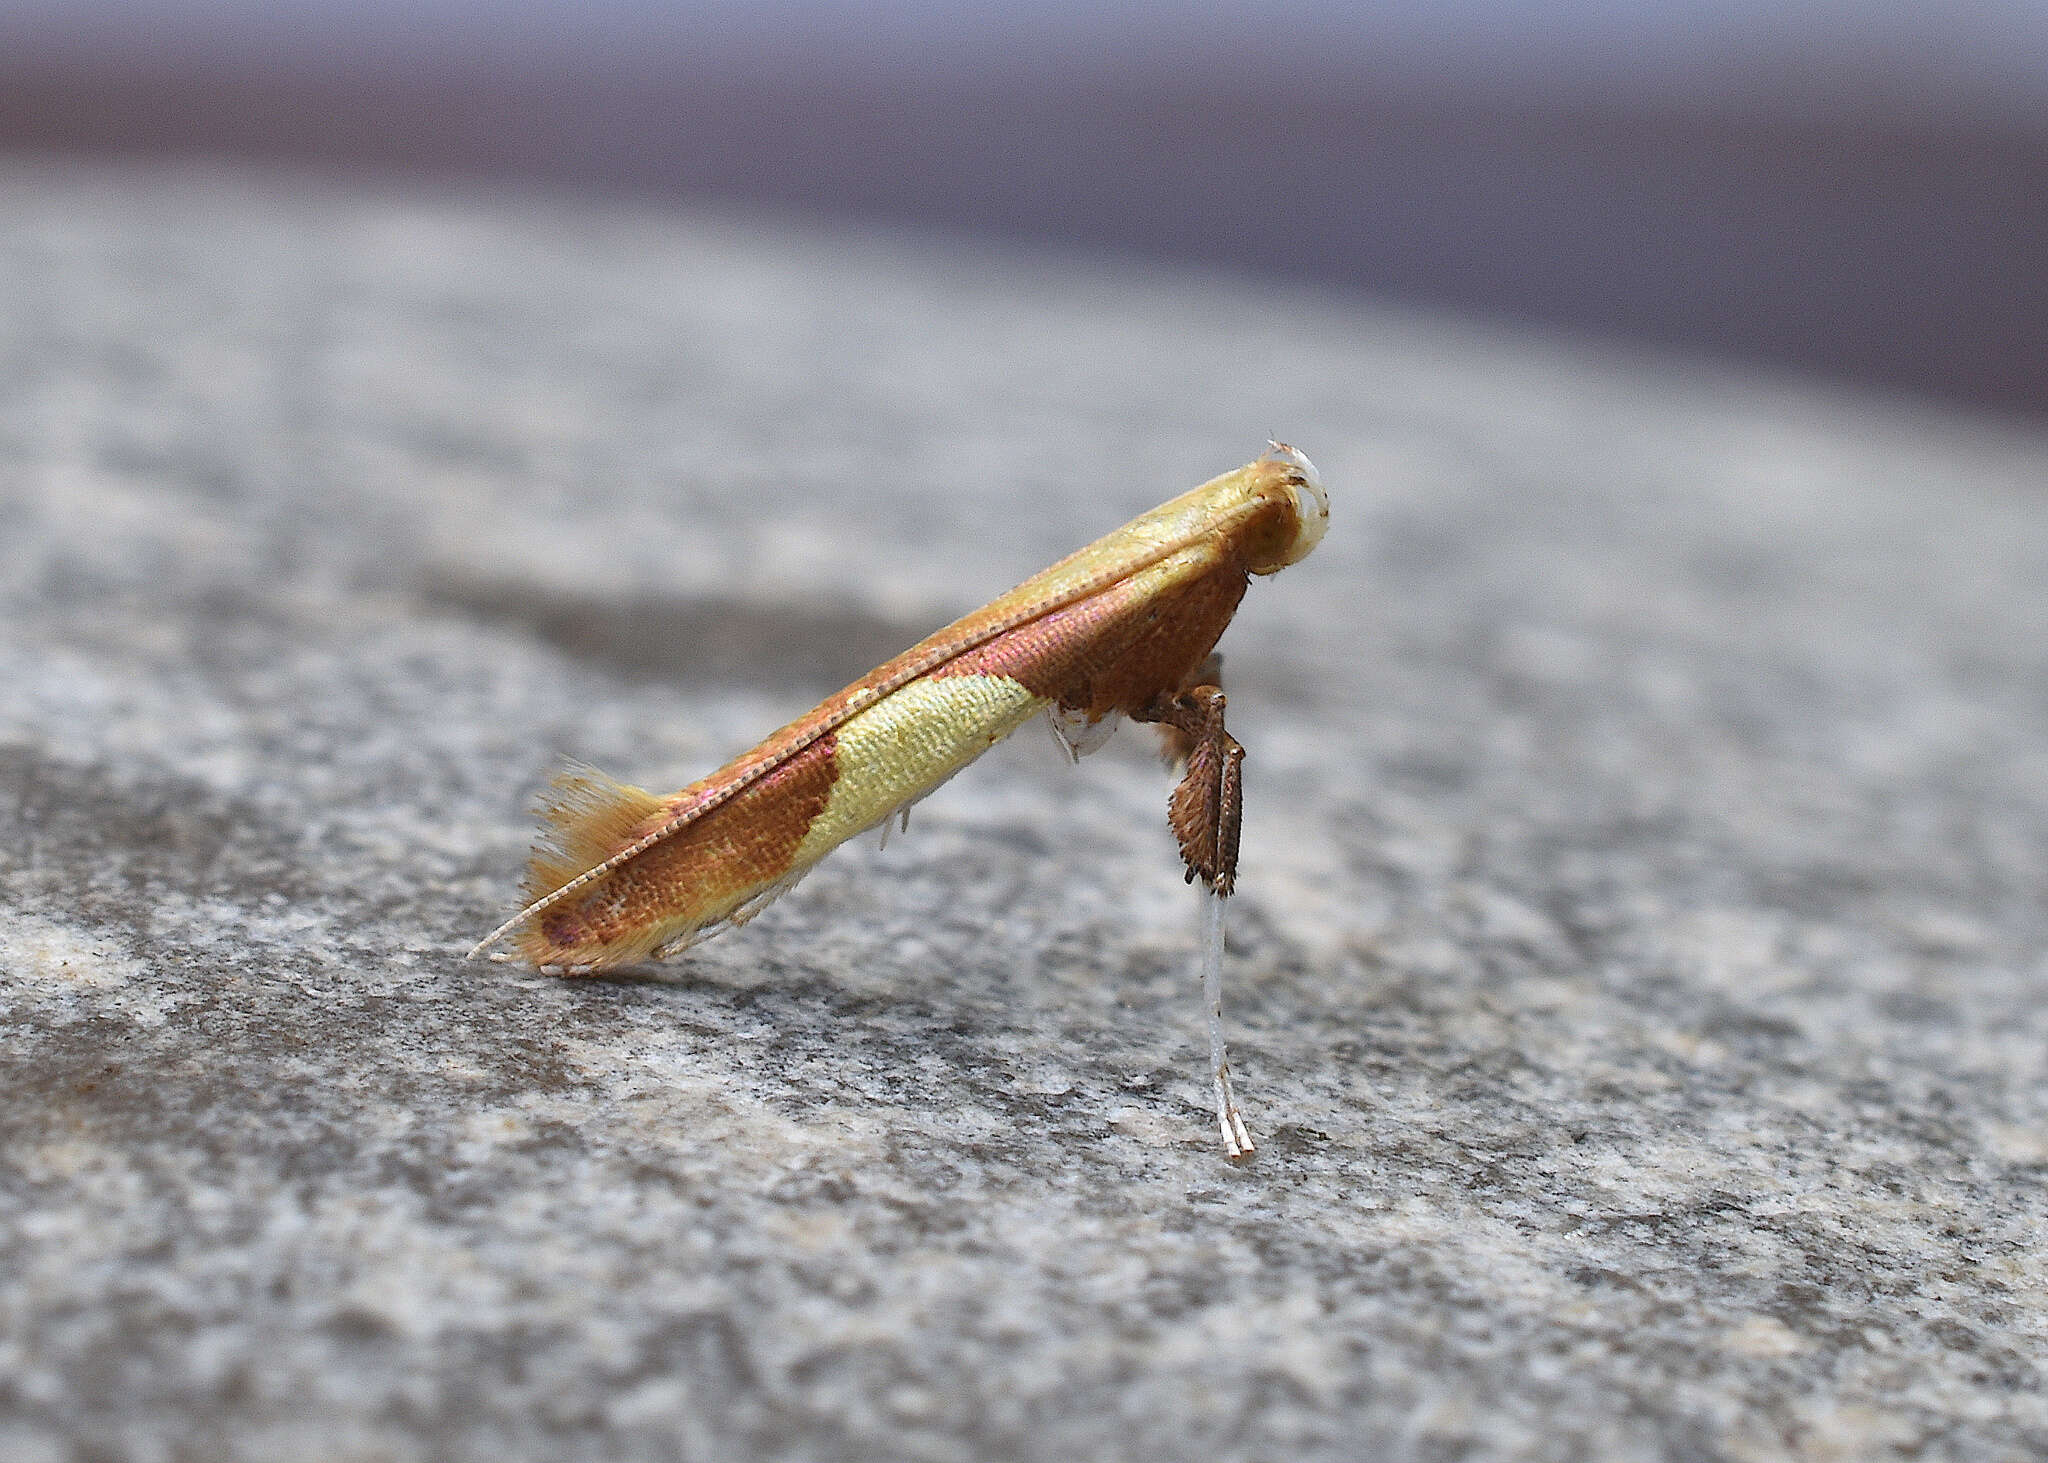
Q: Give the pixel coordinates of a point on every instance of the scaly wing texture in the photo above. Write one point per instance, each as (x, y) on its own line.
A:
(585, 818)
(620, 874)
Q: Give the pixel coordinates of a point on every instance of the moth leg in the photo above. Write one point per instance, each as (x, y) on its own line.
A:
(1207, 808)
(1237, 1140)
(1206, 813)
(1174, 743)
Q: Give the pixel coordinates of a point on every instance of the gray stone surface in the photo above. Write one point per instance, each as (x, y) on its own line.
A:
(1638, 984)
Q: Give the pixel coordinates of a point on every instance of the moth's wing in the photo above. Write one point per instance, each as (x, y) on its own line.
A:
(898, 817)
(1077, 732)
(752, 905)
(585, 817)
(592, 826)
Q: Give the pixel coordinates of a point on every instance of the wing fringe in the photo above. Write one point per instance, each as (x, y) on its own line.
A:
(585, 818)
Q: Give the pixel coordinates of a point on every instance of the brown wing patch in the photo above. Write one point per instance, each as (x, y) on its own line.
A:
(1159, 645)
(696, 877)
(1119, 650)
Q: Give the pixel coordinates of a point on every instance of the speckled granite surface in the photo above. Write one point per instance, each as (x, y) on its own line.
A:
(1640, 979)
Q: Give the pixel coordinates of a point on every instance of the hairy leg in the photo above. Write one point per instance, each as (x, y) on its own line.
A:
(1206, 814)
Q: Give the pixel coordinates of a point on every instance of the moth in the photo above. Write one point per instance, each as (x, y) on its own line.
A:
(1124, 628)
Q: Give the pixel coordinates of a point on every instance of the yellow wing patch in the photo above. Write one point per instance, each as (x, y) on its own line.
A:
(907, 743)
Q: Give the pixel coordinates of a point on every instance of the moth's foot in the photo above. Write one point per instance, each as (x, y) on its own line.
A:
(1237, 1139)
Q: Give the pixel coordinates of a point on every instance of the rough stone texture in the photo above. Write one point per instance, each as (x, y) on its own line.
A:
(1638, 983)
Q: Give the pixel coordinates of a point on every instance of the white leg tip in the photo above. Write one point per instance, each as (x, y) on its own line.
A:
(1237, 1139)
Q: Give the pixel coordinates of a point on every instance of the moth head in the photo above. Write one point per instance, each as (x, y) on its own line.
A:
(1304, 486)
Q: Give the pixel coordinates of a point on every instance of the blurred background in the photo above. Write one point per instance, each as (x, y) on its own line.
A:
(1856, 189)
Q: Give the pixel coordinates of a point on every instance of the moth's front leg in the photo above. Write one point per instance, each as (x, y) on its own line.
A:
(1206, 813)
(1207, 808)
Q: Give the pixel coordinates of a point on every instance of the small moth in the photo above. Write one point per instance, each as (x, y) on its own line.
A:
(1124, 628)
